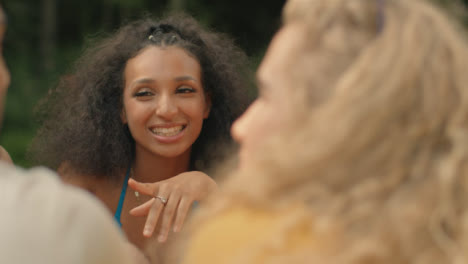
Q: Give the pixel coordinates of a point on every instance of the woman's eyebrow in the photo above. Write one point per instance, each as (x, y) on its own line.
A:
(185, 78)
(143, 80)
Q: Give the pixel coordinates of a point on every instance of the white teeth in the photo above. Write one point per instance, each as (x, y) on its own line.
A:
(167, 132)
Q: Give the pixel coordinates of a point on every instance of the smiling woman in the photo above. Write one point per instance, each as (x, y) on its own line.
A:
(153, 103)
(164, 101)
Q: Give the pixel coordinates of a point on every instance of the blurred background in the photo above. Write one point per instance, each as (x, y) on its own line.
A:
(45, 37)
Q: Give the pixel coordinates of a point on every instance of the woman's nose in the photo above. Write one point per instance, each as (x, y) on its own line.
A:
(166, 107)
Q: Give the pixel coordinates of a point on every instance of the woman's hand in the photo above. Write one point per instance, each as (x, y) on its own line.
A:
(173, 198)
(5, 156)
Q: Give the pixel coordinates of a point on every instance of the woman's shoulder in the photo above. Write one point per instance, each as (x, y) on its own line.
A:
(240, 232)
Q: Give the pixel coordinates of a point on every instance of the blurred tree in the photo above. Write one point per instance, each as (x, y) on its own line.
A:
(48, 38)
(176, 5)
(456, 7)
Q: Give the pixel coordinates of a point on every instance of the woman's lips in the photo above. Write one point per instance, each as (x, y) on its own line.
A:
(168, 134)
(167, 131)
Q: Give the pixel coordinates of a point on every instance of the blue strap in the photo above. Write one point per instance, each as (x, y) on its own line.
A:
(122, 198)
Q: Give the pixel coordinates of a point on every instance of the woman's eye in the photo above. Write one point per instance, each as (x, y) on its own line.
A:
(143, 93)
(185, 90)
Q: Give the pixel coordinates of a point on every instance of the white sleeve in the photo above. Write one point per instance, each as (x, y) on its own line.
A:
(44, 221)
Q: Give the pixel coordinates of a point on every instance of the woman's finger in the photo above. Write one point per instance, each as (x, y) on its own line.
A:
(182, 211)
(154, 214)
(152, 219)
(142, 210)
(144, 188)
(168, 215)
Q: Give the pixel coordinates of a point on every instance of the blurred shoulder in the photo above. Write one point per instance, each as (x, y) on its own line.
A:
(35, 185)
(20, 182)
(243, 234)
(52, 219)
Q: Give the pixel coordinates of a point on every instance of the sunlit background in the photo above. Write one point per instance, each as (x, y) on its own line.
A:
(44, 37)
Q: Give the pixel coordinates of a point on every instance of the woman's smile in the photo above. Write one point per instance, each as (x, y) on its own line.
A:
(168, 134)
(167, 131)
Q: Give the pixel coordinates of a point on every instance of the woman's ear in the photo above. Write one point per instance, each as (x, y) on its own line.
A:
(207, 106)
(123, 116)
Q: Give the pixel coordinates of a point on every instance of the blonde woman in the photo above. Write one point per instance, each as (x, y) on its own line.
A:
(356, 150)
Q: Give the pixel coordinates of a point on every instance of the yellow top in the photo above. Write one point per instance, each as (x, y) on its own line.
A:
(251, 235)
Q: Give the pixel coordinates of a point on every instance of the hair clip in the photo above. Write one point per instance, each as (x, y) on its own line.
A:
(163, 29)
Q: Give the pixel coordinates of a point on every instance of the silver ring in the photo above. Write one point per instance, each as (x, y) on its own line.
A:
(163, 200)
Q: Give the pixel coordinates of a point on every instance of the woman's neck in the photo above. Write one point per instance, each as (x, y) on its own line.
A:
(151, 168)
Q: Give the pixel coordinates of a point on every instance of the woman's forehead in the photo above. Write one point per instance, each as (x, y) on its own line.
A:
(283, 50)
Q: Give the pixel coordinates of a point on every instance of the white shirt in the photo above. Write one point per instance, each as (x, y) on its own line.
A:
(44, 221)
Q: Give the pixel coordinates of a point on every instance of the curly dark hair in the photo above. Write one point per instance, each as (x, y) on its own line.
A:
(80, 119)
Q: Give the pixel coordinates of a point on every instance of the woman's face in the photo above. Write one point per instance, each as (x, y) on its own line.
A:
(273, 108)
(164, 101)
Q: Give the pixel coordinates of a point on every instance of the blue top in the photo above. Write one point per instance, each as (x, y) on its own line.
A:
(118, 212)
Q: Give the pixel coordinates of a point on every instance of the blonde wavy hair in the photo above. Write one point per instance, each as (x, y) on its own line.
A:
(382, 157)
